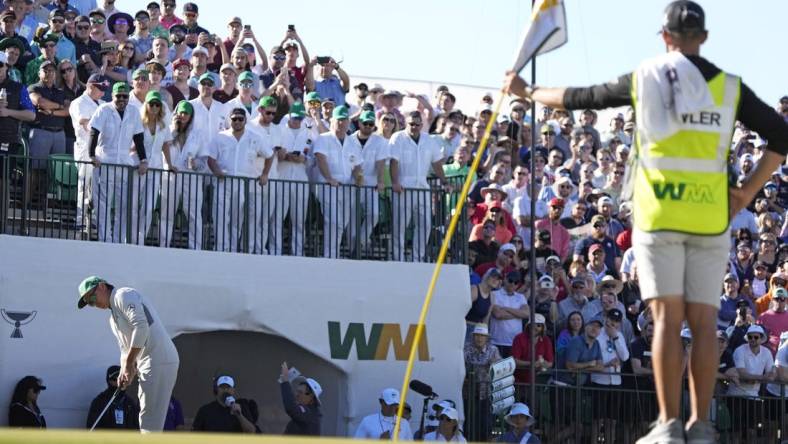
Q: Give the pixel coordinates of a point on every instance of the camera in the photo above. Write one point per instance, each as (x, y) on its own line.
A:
(322, 60)
(247, 27)
(291, 28)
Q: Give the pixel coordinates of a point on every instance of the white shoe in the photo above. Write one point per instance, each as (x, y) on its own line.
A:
(671, 432)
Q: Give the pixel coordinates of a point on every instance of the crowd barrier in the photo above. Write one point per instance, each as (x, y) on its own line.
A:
(62, 198)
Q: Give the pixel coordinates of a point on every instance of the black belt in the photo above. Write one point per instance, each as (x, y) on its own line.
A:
(53, 129)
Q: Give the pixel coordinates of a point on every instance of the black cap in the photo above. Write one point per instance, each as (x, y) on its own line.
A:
(615, 314)
(742, 303)
(57, 13)
(153, 5)
(684, 15)
(113, 371)
(238, 111)
(191, 7)
(544, 235)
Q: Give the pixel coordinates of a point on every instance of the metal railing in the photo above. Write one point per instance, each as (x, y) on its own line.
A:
(580, 412)
(67, 199)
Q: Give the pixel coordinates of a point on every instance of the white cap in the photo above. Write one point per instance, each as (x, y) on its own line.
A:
(604, 200)
(377, 87)
(507, 247)
(481, 329)
(199, 49)
(553, 258)
(487, 94)
(315, 387)
(755, 328)
(450, 412)
(539, 319)
(225, 380)
(546, 282)
(445, 404)
(622, 148)
(483, 108)
(390, 396)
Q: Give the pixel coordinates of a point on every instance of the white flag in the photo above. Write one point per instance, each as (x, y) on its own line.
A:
(546, 32)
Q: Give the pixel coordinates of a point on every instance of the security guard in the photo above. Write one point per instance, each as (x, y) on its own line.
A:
(303, 407)
(685, 111)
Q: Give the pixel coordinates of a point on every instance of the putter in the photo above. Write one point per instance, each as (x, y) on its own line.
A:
(101, 415)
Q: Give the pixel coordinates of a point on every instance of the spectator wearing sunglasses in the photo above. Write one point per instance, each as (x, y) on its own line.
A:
(87, 49)
(777, 281)
(775, 320)
(599, 236)
(8, 29)
(729, 301)
(509, 310)
(277, 74)
(755, 365)
(24, 410)
(168, 18)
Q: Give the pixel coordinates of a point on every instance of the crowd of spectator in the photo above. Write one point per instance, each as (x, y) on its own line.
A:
(157, 91)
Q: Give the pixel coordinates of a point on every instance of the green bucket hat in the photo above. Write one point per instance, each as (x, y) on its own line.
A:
(184, 107)
(367, 116)
(120, 87)
(87, 284)
(153, 95)
(267, 101)
(341, 112)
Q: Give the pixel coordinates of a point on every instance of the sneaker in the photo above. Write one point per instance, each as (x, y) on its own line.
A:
(701, 432)
(670, 432)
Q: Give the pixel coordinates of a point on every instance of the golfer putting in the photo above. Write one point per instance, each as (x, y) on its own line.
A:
(146, 349)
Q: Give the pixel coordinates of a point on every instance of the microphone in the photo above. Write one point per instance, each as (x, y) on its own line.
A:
(229, 401)
(422, 389)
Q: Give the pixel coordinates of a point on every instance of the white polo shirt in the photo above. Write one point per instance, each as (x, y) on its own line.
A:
(272, 137)
(503, 331)
(194, 148)
(372, 426)
(759, 364)
(116, 138)
(415, 159)
(341, 157)
(82, 107)
(237, 157)
(376, 149)
(210, 121)
(611, 349)
(294, 140)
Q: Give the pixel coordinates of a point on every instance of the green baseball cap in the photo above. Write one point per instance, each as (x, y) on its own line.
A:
(87, 284)
(120, 87)
(139, 72)
(267, 101)
(366, 116)
(297, 110)
(312, 96)
(49, 38)
(184, 107)
(340, 113)
(246, 76)
(206, 76)
(153, 95)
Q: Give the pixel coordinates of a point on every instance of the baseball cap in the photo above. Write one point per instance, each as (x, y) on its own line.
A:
(46, 64)
(729, 277)
(553, 258)
(225, 380)
(112, 372)
(57, 13)
(340, 113)
(191, 7)
(367, 116)
(756, 329)
(594, 248)
(277, 49)
(87, 284)
(780, 292)
(141, 12)
(139, 72)
(507, 247)
(615, 314)
(390, 396)
(598, 219)
(246, 76)
(597, 319)
(267, 101)
(605, 200)
(235, 20)
(100, 81)
(152, 5)
(315, 387)
(742, 303)
(538, 319)
(181, 62)
(481, 329)
(229, 66)
(120, 87)
(153, 95)
(546, 282)
(184, 107)
(312, 96)
(297, 110)
(206, 76)
(557, 202)
(290, 44)
(684, 15)
(450, 412)
(200, 50)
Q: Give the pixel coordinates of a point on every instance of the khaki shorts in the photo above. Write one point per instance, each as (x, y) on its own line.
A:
(676, 264)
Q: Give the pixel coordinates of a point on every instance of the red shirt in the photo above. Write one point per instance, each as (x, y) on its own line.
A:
(169, 21)
(521, 349)
(481, 211)
(775, 324)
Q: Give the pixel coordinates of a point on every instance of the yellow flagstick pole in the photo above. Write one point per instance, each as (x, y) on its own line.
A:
(439, 263)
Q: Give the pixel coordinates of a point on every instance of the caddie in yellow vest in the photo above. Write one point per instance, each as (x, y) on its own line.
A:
(685, 114)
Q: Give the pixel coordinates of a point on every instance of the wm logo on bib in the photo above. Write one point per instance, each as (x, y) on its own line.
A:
(681, 191)
(376, 346)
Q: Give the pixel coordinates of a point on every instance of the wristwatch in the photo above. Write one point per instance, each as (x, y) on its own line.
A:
(529, 90)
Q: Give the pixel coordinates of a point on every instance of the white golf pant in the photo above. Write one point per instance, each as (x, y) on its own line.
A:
(112, 187)
(230, 197)
(86, 191)
(364, 217)
(411, 205)
(335, 204)
(144, 191)
(187, 189)
(292, 197)
(155, 388)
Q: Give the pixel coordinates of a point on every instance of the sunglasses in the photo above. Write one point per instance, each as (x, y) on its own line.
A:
(83, 28)
(154, 104)
(269, 113)
(58, 21)
(122, 96)
(279, 57)
(207, 83)
(238, 119)
(368, 124)
(549, 133)
(599, 225)
(190, 15)
(50, 45)
(246, 85)
(97, 21)
(65, 70)
(389, 120)
(619, 173)
(414, 123)
(121, 22)
(753, 337)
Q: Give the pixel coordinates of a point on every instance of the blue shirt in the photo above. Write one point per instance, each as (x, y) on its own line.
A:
(81, 6)
(578, 351)
(610, 247)
(331, 88)
(727, 313)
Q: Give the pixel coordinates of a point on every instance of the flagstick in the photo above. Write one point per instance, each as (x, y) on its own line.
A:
(532, 259)
(441, 257)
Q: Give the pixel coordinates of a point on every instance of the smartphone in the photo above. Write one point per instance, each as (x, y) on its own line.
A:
(323, 60)
(291, 28)
(295, 153)
(247, 27)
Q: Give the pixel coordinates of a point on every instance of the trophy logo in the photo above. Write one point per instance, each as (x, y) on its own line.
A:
(18, 319)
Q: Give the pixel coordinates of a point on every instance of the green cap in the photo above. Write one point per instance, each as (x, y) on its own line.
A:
(267, 101)
(312, 96)
(340, 113)
(153, 95)
(184, 107)
(297, 110)
(140, 72)
(54, 38)
(246, 76)
(87, 284)
(120, 87)
(366, 116)
(206, 76)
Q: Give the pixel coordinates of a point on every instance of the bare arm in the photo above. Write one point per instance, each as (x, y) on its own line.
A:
(638, 369)
(322, 165)
(499, 312)
(344, 79)
(309, 77)
(552, 97)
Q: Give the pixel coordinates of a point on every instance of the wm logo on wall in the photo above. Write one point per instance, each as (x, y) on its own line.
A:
(376, 346)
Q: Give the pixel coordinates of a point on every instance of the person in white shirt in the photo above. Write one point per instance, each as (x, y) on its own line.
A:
(245, 99)
(615, 352)
(754, 363)
(516, 188)
(181, 182)
(291, 194)
(448, 428)
(146, 349)
(237, 151)
(114, 128)
(81, 110)
(374, 153)
(381, 425)
(271, 133)
(412, 153)
(509, 309)
(339, 164)
(157, 137)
